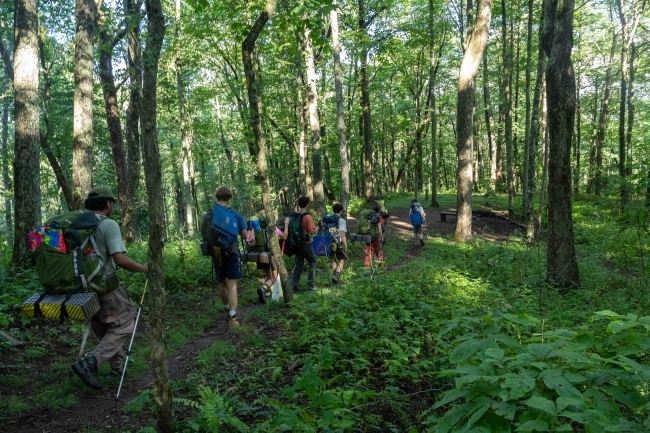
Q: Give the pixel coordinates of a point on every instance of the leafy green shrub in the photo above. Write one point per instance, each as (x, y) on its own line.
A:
(591, 378)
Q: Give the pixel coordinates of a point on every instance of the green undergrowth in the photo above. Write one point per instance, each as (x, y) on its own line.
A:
(465, 337)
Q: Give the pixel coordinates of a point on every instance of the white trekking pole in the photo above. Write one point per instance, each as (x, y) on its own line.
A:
(128, 352)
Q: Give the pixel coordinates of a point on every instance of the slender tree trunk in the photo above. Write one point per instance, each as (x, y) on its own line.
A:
(82, 141)
(464, 117)
(368, 145)
(314, 124)
(536, 129)
(542, 190)
(186, 134)
(561, 263)
(132, 124)
(576, 141)
(489, 121)
(255, 103)
(507, 107)
(113, 118)
(63, 183)
(6, 182)
(599, 181)
(224, 143)
(340, 120)
(622, 152)
(433, 67)
(630, 104)
(153, 177)
(526, 181)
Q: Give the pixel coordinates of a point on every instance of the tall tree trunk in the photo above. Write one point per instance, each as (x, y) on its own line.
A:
(527, 135)
(153, 179)
(113, 119)
(533, 138)
(132, 124)
(6, 182)
(561, 263)
(489, 121)
(464, 117)
(576, 141)
(630, 104)
(82, 140)
(255, 104)
(224, 143)
(433, 68)
(368, 145)
(507, 109)
(26, 154)
(63, 183)
(186, 134)
(340, 120)
(314, 124)
(622, 153)
(599, 181)
(544, 181)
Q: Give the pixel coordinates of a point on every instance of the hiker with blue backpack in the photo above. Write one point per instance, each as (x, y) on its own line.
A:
(417, 217)
(115, 320)
(340, 245)
(219, 229)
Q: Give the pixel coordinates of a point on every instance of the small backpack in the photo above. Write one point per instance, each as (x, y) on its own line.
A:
(362, 222)
(367, 223)
(415, 214)
(259, 226)
(65, 251)
(330, 221)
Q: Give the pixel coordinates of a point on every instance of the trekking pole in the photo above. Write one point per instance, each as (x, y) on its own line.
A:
(128, 352)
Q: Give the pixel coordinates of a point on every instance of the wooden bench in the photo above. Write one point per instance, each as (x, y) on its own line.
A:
(444, 213)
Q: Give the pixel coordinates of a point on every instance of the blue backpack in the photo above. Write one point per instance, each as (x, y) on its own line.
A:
(224, 224)
(415, 214)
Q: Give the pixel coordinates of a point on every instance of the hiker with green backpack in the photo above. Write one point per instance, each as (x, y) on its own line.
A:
(370, 223)
(301, 225)
(114, 322)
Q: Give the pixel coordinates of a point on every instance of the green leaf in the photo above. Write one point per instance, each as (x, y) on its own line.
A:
(608, 408)
(533, 425)
(554, 380)
(607, 313)
(628, 397)
(521, 319)
(516, 386)
(618, 326)
(480, 407)
(505, 409)
(564, 402)
(451, 395)
(463, 351)
(543, 404)
(582, 341)
(495, 353)
(494, 423)
(451, 418)
(563, 427)
(540, 350)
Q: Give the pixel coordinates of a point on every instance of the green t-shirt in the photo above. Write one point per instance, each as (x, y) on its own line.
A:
(109, 241)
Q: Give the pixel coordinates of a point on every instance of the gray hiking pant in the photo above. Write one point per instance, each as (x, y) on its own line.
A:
(113, 325)
(418, 234)
(306, 252)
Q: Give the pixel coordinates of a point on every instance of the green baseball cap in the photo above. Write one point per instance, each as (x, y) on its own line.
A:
(101, 192)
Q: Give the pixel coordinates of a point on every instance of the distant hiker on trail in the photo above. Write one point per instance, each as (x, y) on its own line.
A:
(221, 234)
(113, 323)
(342, 245)
(417, 217)
(374, 248)
(301, 225)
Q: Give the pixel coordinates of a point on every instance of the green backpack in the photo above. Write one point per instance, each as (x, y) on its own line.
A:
(67, 260)
(367, 223)
(296, 236)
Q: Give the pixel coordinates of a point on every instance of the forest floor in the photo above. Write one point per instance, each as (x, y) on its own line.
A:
(99, 411)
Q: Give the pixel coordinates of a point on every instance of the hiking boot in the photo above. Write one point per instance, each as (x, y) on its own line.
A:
(233, 323)
(86, 369)
(335, 280)
(261, 295)
(295, 289)
(312, 289)
(114, 374)
(421, 242)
